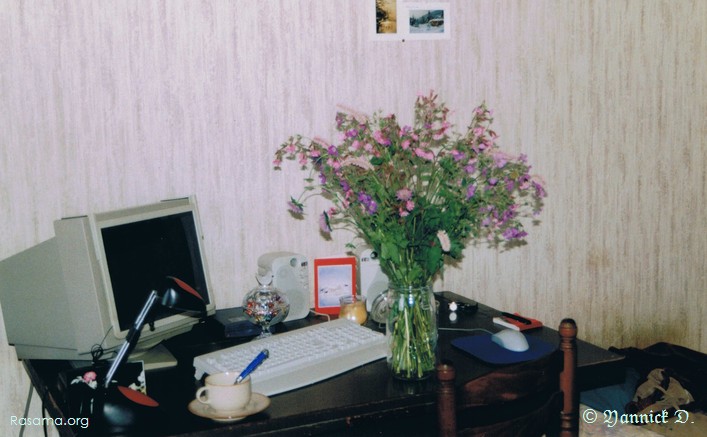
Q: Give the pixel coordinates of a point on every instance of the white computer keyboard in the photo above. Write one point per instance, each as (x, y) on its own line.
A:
(301, 357)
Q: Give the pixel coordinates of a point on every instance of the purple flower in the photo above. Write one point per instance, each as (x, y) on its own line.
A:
(539, 190)
(457, 155)
(500, 159)
(333, 151)
(513, 234)
(470, 166)
(295, 207)
(368, 203)
(470, 191)
(509, 214)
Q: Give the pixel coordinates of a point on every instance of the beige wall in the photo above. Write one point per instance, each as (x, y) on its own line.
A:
(111, 104)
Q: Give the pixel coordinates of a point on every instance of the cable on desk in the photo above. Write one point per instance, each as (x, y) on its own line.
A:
(97, 350)
(321, 314)
(466, 330)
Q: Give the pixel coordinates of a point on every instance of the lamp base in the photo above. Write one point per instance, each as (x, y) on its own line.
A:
(121, 410)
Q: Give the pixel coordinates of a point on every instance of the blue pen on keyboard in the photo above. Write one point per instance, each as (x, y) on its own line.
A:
(253, 365)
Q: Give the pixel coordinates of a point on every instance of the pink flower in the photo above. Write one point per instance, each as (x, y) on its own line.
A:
(295, 207)
(357, 115)
(500, 158)
(378, 136)
(428, 155)
(444, 240)
(333, 163)
(404, 194)
(321, 141)
(357, 161)
(302, 158)
(89, 376)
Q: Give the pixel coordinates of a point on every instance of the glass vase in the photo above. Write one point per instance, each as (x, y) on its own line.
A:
(265, 306)
(411, 331)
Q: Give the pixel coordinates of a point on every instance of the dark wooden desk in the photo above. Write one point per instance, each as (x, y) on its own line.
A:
(364, 401)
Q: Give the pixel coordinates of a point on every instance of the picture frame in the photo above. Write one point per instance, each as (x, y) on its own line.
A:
(398, 20)
(384, 20)
(426, 21)
(333, 278)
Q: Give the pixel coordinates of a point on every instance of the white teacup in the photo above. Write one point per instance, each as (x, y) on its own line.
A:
(222, 394)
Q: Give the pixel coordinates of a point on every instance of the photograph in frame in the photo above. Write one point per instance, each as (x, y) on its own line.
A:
(426, 21)
(384, 20)
(333, 278)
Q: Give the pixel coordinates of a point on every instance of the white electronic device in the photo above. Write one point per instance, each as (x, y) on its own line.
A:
(291, 275)
(372, 282)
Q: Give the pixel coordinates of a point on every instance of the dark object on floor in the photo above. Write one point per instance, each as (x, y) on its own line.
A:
(687, 367)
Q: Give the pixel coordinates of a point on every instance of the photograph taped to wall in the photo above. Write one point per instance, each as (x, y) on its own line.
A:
(396, 20)
(384, 21)
(333, 278)
(426, 21)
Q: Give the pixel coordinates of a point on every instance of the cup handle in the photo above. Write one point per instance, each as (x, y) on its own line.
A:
(200, 395)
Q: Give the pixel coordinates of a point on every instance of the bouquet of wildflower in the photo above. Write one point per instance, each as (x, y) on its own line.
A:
(416, 194)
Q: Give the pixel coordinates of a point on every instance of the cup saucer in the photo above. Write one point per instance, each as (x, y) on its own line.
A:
(258, 403)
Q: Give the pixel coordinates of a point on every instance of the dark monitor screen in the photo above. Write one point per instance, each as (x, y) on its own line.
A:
(141, 254)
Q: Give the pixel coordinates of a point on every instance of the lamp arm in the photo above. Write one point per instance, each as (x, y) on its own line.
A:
(132, 338)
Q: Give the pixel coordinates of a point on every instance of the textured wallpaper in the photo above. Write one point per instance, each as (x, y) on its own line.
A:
(105, 105)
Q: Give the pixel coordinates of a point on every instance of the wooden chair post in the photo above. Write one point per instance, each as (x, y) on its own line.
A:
(446, 402)
(569, 419)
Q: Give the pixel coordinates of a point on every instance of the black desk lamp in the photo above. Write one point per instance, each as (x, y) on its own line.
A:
(176, 294)
(122, 409)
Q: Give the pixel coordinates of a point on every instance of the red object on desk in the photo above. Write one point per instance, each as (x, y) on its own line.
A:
(534, 323)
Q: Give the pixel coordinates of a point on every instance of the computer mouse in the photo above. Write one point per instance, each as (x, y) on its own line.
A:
(511, 340)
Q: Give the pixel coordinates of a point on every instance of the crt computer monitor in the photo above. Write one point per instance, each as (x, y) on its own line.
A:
(86, 285)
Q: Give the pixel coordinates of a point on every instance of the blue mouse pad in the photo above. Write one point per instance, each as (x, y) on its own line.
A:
(481, 347)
